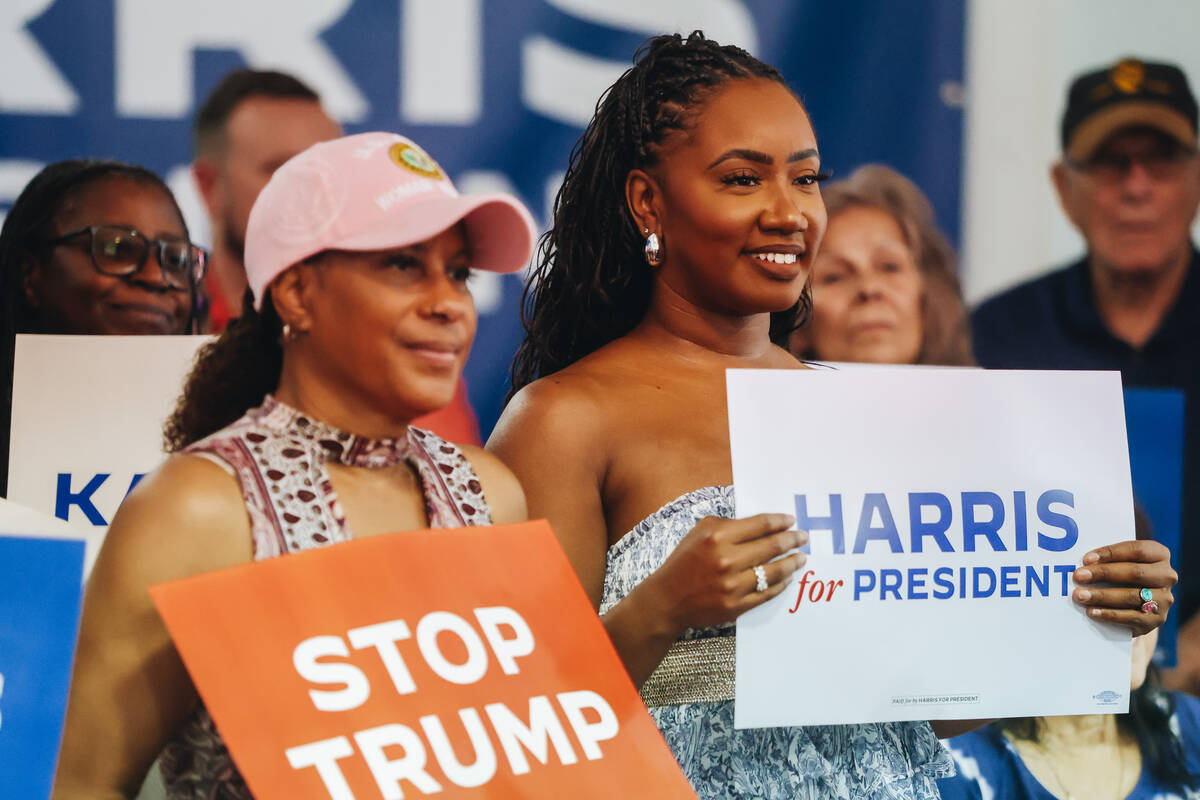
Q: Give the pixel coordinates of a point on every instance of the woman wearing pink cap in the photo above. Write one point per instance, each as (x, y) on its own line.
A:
(293, 430)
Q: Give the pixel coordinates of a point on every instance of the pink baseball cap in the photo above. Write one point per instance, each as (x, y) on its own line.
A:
(374, 191)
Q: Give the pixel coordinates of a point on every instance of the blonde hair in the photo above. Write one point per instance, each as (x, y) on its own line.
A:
(946, 336)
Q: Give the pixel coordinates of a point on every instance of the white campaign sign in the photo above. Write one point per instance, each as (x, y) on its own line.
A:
(87, 417)
(947, 510)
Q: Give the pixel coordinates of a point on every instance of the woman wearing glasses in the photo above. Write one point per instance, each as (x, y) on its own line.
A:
(92, 247)
(98, 247)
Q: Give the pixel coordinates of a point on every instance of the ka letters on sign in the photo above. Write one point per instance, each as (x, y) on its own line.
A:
(464, 663)
(87, 421)
(947, 510)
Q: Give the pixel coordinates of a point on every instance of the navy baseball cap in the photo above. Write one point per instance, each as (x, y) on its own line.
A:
(1128, 93)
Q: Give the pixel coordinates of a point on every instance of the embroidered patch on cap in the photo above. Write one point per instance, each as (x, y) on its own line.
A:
(414, 159)
(1129, 75)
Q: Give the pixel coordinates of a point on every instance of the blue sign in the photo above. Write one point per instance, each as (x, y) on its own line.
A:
(497, 91)
(1154, 422)
(41, 582)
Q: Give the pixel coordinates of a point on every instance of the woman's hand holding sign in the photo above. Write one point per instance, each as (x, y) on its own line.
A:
(1112, 579)
(710, 578)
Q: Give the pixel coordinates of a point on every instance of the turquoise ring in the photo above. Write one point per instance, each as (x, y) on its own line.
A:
(1146, 595)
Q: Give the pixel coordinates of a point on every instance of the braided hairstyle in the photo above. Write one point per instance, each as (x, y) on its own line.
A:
(590, 285)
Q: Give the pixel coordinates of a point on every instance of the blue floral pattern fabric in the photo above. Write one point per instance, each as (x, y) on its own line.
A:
(876, 761)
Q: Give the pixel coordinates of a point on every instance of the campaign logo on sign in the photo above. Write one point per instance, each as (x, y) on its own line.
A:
(40, 597)
(462, 663)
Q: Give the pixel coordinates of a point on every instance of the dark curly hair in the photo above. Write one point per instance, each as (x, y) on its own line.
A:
(231, 375)
(590, 285)
(27, 226)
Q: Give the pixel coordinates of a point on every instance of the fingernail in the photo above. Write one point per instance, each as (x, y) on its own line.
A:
(1093, 612)
(801, 538)
(1091, 558)
(1083, 595)
(801, 559)
(1083, 575)
(788, 519)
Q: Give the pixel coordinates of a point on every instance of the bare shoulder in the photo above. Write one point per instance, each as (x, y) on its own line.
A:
(193, 479)
(503, 491)
(573, 389)
(186, 517)
(129, 689)
(566, 409)
(557, 435)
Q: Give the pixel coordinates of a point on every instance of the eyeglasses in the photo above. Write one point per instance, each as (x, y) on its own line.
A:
(121, 252)
(1158, 162)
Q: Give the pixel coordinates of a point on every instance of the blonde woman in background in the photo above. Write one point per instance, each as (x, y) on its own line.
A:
(884, 284)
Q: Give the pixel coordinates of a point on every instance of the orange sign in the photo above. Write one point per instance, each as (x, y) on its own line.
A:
(462, 663)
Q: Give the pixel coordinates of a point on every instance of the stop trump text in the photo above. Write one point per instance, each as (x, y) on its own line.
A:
(398, 754)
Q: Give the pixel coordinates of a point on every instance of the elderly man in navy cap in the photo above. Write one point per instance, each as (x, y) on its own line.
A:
(1129, 181)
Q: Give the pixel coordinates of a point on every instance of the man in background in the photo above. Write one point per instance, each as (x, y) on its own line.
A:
(252, 122)
(1129, 181)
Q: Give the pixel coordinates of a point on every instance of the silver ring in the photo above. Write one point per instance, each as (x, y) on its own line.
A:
(760, 577)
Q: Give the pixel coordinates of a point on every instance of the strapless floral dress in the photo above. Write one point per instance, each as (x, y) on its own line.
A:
(876, 761)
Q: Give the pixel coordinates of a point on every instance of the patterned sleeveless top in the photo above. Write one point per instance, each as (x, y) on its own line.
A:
(873, 761)
(278, 457)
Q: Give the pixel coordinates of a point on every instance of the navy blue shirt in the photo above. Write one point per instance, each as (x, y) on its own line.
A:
(1052, 323)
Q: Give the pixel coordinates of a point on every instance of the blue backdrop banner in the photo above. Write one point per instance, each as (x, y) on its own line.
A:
(1154, 424)
(496, 90)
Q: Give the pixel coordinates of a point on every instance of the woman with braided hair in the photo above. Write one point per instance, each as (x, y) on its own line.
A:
(683, 238)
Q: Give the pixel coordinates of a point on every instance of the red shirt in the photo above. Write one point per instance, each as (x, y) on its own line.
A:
(218, 310)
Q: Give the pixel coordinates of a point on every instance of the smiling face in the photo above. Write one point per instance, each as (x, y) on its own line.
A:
(738, 209)
(1134, 201)
(69, 295)
(391, 328)
(866, 291)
